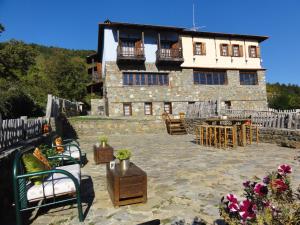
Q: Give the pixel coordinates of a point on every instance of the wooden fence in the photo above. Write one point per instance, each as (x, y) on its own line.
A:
(14, 131)
(56, 106)
(289, 119)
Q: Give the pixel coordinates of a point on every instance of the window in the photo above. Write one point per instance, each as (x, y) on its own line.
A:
(235, 50)
(139, 79)
(224, 50)
(199, 48)
(148, 108)
(248, 78)
(168, 107)
(210, 77)
(253, 51)
(127, 109)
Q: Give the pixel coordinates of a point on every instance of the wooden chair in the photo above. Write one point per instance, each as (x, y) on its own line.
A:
(63, 180)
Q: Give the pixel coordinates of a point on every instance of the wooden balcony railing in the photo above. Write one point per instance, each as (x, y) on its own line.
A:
(171, 54)
(130, 53)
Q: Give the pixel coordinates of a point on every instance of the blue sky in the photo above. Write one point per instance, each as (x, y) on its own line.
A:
(73, 23)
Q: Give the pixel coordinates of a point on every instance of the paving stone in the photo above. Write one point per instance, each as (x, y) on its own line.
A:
(184, 179)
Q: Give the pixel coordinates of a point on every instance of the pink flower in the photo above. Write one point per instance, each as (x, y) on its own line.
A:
(284, 169)
(279, 185)
(233, 207)
(247, 210)
(232, 198)
(261, 189)
(246, 184)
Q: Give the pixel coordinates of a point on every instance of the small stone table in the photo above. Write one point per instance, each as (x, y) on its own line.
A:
(127, 187)
(103, 154)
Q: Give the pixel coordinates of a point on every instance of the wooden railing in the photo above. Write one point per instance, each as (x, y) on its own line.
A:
(130, 52)
(14, 131)
(172, 53)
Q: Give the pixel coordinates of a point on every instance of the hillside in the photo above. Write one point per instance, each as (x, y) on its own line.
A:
(30, 71)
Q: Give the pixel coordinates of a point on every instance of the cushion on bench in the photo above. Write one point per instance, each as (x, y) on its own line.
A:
(62, 184)
(72, 151)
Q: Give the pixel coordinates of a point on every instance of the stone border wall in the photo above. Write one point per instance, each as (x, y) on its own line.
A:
(98, 126)
(283, 137)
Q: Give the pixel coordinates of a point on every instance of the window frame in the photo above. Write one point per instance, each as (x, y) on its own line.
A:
(170, 107)
(238, 50)
(250, 52)
(227, 50)
(129, 104)
(151, 108)
(208, 77)
(145, 79)
(245, 79)
(199, 49)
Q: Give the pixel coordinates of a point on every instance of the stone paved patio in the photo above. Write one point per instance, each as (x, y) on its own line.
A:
(184, 179)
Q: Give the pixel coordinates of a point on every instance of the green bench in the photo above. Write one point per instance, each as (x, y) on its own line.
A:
(63, 180)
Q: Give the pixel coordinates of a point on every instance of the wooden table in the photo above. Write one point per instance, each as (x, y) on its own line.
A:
(103, 154)
(126, 187)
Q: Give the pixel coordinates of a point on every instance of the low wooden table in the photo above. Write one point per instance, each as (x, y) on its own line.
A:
(126, 187)
(103, 154)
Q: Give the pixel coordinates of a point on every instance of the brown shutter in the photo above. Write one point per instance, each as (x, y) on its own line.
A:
(138, 44)
(249, 51)
(194, 48)
(175, 45)
(99, 69)
(258, 52)
(203, 50)
(229, 50)
(241, 50)
(221, 49)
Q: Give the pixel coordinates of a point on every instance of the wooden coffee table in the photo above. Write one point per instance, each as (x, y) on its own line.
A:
(126, 187)
(103, 154)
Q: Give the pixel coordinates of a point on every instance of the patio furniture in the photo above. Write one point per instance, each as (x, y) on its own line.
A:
(63, 180)
(126, 187)
(71, 148)
(103, 154)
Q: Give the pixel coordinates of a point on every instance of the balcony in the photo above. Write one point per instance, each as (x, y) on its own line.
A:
(169, 56)
(130, 54)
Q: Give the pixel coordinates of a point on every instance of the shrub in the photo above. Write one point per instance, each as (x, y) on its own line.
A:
(123, 154)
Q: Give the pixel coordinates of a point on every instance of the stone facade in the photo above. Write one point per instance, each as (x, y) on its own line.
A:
(180, 92)
(97, 107)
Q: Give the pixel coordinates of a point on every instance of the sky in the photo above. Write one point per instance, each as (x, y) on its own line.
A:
(73, 23)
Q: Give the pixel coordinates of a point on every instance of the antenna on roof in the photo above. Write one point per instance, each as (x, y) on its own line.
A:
(194, 28)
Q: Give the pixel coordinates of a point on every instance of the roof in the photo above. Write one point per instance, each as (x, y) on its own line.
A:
(180, 30)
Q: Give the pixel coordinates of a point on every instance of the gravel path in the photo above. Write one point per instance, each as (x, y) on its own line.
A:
(184, 179)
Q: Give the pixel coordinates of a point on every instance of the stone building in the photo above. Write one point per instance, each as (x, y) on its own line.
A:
(144, 70)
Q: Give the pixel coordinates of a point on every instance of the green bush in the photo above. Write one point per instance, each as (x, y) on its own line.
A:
(123, 154)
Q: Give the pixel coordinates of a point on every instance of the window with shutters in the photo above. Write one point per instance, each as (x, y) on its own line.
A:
(143, 79)
(210, 77)
(127, 109)
(224, 50)
(199, 48)
(236, 50)
(253, 51)
(148, 108)
(248, 78)
(168, 107)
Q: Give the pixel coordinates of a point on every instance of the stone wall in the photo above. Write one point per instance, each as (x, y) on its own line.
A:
(97, 107)
(283, 137)
(99, 126)
(180, 91)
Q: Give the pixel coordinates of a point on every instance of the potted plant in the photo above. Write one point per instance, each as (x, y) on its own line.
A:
(124, 155)
(103, 141)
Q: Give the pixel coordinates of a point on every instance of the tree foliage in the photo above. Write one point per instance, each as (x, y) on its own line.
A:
(29, 72)
(283, 96)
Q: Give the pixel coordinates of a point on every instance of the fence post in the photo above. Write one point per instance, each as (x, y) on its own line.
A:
(49, 106)
(24, 120)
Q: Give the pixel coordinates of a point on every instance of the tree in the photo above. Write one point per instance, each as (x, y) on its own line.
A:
(16, 59)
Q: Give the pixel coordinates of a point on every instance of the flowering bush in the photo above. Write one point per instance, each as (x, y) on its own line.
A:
(270, 201)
